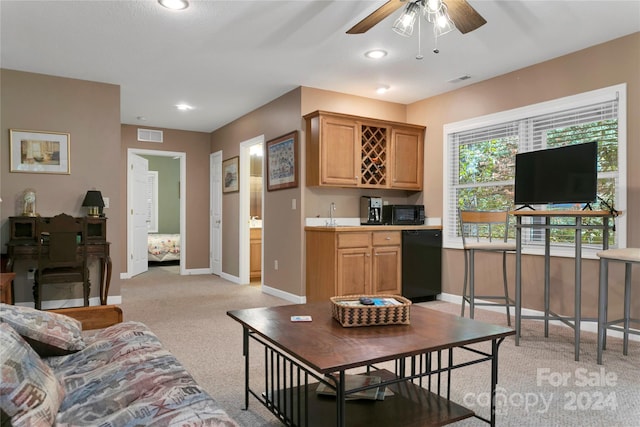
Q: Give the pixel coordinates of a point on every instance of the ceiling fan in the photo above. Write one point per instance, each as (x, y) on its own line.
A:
(464, 16)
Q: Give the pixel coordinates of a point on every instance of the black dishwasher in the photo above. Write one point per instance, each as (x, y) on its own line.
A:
(421, 264)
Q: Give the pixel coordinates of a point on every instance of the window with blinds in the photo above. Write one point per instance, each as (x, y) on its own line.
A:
(480, 158)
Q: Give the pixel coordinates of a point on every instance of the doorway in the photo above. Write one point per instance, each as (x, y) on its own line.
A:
(251, 210)
(137, 243)
(215, 220)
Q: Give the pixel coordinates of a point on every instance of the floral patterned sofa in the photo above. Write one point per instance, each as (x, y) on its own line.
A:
(53, 374)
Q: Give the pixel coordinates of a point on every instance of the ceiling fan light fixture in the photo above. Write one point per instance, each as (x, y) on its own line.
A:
(430, 8)
(443, 24)
(404, 24)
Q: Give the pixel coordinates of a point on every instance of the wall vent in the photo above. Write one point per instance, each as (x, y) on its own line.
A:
(460, 79)
(149, 135)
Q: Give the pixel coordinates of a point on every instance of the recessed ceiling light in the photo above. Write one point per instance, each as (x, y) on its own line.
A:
(184, 107)
(174, 4)
(376, 54)
(382, 89)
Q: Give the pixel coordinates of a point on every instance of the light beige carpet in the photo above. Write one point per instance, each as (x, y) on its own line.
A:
(540, 384)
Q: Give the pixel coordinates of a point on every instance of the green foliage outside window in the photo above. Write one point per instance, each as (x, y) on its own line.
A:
(487, 171)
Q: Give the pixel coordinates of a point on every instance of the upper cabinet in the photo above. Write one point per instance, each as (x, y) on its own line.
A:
(350, 151)
(407, 143)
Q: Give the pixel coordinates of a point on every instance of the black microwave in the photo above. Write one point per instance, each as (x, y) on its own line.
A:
(403, 214)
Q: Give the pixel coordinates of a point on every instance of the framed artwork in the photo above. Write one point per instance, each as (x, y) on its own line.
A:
(39, 152)
(230, 175)
(282, 162)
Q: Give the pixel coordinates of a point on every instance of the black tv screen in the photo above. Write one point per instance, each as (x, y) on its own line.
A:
(557, 175)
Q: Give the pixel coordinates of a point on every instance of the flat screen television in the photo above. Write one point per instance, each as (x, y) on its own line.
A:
(566, 174)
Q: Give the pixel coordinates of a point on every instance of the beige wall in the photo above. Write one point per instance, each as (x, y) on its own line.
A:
(282, 226)
(90, 113)
(604, 65)
(196, 147)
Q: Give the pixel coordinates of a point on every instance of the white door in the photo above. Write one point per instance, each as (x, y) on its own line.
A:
(215, 160)
(139, 256)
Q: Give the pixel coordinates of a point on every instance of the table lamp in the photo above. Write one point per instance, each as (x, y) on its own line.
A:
(93, 201)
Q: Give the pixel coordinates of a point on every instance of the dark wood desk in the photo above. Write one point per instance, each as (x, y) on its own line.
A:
(298, 356)
(24, 246)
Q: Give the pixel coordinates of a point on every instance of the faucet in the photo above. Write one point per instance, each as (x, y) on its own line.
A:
(332, 220)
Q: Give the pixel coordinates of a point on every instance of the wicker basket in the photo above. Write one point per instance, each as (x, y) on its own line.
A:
(370, 315)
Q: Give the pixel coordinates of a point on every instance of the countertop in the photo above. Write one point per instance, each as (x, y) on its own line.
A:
(372, 228)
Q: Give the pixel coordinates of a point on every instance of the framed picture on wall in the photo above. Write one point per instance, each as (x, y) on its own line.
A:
(35, 151)
(282, 162)
(230, 175)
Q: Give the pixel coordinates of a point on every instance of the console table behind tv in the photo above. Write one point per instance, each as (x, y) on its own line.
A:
(577, 225)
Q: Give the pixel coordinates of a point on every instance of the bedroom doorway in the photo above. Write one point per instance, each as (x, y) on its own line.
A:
(164, 212)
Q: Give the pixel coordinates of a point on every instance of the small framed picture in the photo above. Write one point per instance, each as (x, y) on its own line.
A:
(35, 151)
(282, 162)
(230, 175)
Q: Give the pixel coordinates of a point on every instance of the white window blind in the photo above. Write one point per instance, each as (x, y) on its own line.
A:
(480, 153)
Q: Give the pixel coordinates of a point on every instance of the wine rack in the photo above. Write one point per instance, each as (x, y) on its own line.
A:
(374, 156)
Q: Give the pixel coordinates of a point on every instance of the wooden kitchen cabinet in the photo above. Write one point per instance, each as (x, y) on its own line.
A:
(386, 268)
(255, 253)
(407, 145)
(352, 263)
(332, 151)
(351, 151)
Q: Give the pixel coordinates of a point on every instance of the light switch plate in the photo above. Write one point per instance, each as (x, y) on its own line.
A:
(106, 202)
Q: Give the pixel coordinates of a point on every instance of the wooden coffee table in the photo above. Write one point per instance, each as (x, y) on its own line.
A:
(297, 356)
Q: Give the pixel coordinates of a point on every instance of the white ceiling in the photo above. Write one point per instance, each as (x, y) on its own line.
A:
(227, 58)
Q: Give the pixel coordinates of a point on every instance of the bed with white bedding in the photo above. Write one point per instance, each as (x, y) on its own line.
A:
(164, 247)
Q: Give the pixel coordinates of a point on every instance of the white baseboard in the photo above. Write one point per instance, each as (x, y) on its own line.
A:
(296, 299)
(114, 300)
(229, 277)
(584, 326)
(190, 272)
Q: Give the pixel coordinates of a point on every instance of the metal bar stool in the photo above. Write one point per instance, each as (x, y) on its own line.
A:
(478, 230)
(629, 256)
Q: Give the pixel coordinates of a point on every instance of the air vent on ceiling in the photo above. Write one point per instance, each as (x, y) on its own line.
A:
(149, 135)
(459, 79)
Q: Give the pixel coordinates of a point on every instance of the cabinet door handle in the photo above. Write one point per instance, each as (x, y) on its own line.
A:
(387, 238)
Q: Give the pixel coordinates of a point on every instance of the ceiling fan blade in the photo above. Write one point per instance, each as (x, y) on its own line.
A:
(376, 16)
(464, 16)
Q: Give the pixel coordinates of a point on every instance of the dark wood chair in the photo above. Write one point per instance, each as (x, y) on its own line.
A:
(62, 256)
